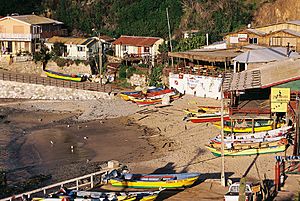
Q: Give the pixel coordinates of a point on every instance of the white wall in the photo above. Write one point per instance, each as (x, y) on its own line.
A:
(201, 86)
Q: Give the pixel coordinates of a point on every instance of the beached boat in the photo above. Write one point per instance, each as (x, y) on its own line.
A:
(271, 142)
(246, 152)
(76, 195)
(62, 76)
(147, 101)
(135, 94)
(204, 118)
(261, 125)
(147, 181)
(255, 137)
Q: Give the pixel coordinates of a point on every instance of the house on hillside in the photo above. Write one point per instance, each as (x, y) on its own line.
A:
(75, 48)
(106, 42)
(280, 34)
(137, 48)
(24, 33)
(257, 56)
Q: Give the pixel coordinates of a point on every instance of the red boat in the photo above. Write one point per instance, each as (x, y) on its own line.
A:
(207, 118)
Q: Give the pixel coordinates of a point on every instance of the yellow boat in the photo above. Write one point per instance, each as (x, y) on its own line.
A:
(246, 152)
(259, 128)
(61, 76)
(172, 181)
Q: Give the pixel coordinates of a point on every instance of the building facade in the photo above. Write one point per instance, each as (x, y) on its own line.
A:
(24, 33)
(75, 48)
(137, 46)
(275, 35)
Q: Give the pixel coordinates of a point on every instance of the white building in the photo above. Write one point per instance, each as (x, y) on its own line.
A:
(75, 48)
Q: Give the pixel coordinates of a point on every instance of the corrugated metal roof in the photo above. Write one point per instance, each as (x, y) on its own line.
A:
(262, 55)
(257, 32)
(136, 40)
(71, 40)
(296, 22)
(34, 19)
(212, 55)
(289, 31)
(268, 75)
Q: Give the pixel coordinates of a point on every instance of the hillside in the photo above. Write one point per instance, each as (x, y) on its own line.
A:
(148, 17)
(277, 11)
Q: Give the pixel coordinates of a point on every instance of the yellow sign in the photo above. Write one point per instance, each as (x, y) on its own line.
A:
(278, 107)
(280, 94)
(255, 189)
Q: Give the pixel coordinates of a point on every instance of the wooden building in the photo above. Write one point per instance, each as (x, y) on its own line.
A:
(250, 90)
(280, 34)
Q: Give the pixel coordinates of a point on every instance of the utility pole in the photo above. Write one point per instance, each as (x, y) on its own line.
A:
(100, 59)
(170, 38)
(223, 180)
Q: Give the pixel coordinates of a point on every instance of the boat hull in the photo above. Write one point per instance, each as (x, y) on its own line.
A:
(64, 77)
(171, 184)
(247, 129)
(247, 152)
(207, 119)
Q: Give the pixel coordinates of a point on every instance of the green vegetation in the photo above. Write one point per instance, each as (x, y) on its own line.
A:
(43, 56)
(143, 17)
(156, 76)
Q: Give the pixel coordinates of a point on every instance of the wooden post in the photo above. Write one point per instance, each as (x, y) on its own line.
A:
(242, 189)
(223, 179)
(296, 139)
(253, 125)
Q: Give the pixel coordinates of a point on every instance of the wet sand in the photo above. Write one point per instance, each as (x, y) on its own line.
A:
(40, 142)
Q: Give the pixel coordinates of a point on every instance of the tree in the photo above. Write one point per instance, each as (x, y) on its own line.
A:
(43, 56)
(190, 43)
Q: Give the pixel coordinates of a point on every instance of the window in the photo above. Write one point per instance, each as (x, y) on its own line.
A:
(124, 47)
(80, 49)
(253, 40)
(146, 49)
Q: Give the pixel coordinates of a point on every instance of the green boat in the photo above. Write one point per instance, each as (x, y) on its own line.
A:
(246, 152)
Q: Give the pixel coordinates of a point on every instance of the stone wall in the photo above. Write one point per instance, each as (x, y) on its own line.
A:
(30, 67)
(33, 91)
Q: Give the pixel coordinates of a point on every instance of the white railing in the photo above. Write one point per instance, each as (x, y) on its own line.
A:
(75, 183)
(18, 37)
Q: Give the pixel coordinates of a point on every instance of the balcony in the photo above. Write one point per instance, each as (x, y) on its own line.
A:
(18, 37)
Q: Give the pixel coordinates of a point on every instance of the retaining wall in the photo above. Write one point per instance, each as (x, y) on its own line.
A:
(17, 90)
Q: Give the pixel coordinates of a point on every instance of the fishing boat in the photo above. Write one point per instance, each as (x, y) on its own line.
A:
(250, 144)
(204, 118)
(247, 152)
(261, 125)
(152, 95)
(134, 94)
(264, 135)
(62, 76)
(100, 196)
(147, 101)
(147, 181)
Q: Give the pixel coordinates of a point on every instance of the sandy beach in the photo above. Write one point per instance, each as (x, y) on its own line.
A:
(38, 136)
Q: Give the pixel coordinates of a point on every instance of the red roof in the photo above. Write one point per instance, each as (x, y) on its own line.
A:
(136, 40)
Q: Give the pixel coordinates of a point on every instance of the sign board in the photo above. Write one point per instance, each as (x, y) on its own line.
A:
(255, 189)
(278, 107)
(243, 37)
(280, 95)
(279, 99)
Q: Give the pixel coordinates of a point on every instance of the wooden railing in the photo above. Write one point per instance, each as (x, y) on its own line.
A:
(33, 79)
(257, 111)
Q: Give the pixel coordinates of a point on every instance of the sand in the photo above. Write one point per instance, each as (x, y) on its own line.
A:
(147, 139)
